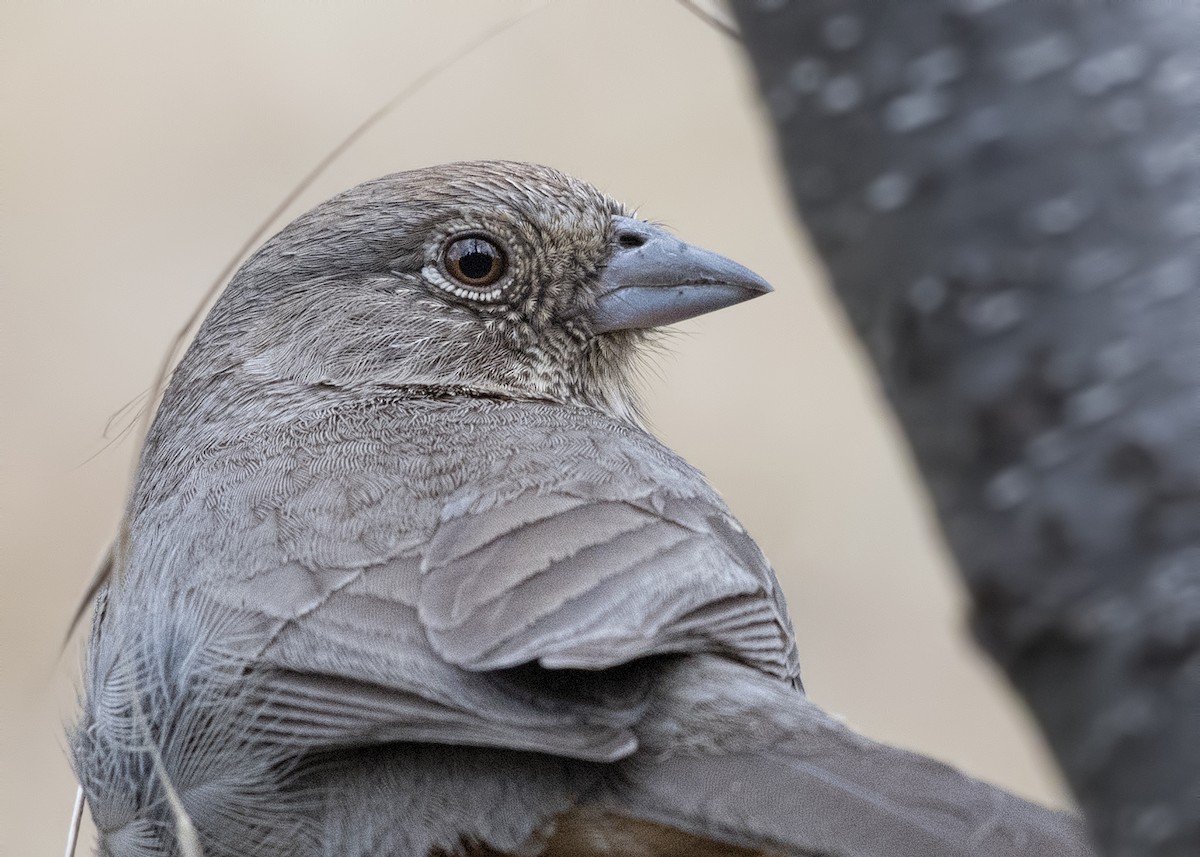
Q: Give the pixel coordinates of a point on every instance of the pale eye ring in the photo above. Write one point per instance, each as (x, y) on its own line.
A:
(474, 260)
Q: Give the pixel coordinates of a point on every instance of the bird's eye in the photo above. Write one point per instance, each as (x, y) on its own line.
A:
(474, 261)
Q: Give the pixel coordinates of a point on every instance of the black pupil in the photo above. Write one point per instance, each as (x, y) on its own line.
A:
(476, 263)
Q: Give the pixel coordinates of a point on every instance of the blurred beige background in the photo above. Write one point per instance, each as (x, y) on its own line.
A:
(142, 143)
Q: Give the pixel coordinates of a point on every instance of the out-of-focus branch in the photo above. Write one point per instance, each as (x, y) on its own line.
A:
(722, 27)
(1007, 197)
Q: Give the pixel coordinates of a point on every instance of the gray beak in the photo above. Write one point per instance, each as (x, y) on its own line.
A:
(653, 278)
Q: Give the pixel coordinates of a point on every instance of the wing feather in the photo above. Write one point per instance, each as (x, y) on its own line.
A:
(410, 587)
(572, 582)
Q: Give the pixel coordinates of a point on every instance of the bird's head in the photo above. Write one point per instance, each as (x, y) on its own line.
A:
(500, 278)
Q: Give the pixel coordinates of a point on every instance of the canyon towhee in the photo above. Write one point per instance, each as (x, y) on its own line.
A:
(403, 573)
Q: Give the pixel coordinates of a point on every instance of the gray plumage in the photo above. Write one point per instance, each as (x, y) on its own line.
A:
(405, 575)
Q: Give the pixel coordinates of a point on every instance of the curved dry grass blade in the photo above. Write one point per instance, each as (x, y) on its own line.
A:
(186, 836)
(131, 410)
(113, 558)
(421, 81)
(99, 576)
(124, 420)
(76, 820)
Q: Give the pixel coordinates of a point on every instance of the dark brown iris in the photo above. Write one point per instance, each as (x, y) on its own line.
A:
(474, 261)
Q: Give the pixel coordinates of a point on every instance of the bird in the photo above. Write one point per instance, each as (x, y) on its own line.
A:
(403, 572)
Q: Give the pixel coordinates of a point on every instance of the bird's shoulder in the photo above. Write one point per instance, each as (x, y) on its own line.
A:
(413, 552)
(364, 480)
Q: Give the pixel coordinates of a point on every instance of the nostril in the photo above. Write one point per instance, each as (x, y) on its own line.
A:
(631, 239)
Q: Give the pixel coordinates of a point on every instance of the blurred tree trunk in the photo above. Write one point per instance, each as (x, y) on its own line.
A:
(1007, 198)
